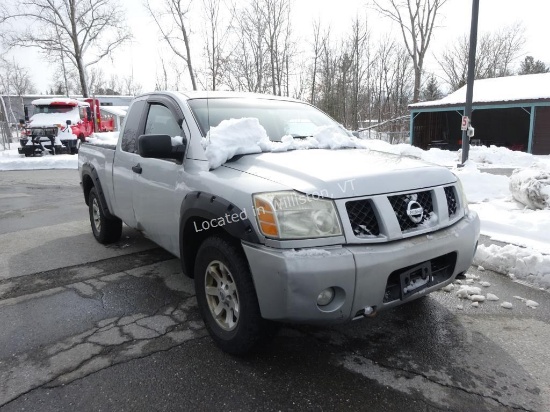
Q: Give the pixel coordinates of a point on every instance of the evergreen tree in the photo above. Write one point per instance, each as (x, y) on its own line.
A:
(431, 90)
(530, 66)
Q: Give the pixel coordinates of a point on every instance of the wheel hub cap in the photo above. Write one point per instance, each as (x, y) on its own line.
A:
(222, 296)
(96, 215)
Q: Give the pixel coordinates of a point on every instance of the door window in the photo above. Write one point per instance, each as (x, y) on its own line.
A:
(129, 133)
(160, 120)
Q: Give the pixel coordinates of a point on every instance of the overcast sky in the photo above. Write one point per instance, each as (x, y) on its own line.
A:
(142, 55)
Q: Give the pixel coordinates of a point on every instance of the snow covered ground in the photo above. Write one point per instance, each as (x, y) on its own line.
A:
(526, 231)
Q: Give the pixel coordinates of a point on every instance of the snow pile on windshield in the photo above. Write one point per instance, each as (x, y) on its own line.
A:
(531, 187)
(246, 136)
(106, 138)
(231, 138)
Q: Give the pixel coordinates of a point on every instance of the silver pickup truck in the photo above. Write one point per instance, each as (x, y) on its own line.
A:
(274, 220)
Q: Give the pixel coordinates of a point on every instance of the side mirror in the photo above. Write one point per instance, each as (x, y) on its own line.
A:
(22, 122)
(68, 122)
(160, 146)
(89, 113)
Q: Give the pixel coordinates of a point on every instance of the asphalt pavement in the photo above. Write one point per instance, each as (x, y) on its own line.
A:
(87, 327)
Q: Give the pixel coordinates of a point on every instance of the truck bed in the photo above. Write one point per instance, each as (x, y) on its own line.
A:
(100, 158)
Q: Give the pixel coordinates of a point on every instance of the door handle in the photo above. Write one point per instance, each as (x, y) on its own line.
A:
(137, 169)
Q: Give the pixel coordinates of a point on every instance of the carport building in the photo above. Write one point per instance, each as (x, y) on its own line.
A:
(509, 111)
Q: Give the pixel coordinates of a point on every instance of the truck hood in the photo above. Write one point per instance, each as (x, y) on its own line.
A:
(53, 119)
(341, 174)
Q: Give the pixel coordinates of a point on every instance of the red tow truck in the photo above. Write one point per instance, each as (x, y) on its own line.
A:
(60, 125)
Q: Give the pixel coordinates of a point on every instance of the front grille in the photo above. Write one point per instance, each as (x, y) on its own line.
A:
(401, 203)
(44, 131)
(451, 200)
(362, 218)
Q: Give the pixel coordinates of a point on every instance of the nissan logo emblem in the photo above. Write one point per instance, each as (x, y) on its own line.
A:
(415, 211)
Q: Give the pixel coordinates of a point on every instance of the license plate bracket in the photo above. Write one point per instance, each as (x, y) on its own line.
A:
(415, 279)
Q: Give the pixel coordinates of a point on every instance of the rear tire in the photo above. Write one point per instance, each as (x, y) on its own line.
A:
(227, 297)
(105, 230)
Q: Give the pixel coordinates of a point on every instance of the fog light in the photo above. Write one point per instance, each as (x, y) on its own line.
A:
(325, 297)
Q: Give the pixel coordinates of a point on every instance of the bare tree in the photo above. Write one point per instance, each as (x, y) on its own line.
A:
(416, 18)
(171, 19)
(317, 47)
(131, 87)
(454, 61)
(495, 55)
(248, 61)
(89, 30)
(14, 78)
(217, 36)
(507, 45)
(277, 34)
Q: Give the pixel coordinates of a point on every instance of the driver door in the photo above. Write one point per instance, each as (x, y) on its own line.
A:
(156, 206)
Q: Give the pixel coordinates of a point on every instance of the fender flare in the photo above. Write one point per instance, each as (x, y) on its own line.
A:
(88, 169)
(209, 207)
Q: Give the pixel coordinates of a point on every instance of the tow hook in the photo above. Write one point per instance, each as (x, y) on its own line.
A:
(366, 312)
(369, 312)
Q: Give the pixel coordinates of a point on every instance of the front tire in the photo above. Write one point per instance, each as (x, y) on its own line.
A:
(105, 230)
(227, 297)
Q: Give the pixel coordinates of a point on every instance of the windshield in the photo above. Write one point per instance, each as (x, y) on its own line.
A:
(278, 118)
(53, 109)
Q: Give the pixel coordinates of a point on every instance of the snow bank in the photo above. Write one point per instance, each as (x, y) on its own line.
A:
(499, 157)
(521, 263)
(246, 136)
(531, 187)
(436, 156)
(481, 187)
(12, 160)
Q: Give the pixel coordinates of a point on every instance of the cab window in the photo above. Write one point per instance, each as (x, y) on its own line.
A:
(129, 132)
(160, 120)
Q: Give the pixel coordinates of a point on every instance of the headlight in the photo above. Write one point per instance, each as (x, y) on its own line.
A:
(293, 215)
(462, 194)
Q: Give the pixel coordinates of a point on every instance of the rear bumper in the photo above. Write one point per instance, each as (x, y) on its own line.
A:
(288, 282)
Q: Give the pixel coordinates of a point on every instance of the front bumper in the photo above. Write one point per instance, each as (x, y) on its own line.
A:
(288, 282)
(28, 147)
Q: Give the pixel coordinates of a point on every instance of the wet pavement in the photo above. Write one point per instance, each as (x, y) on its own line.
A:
(118, 328)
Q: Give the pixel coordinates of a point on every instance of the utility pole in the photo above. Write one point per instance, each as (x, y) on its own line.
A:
(470, 81)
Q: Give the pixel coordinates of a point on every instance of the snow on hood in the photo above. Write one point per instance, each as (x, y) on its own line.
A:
(342, 173)
(330, 173)
(52, 119)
